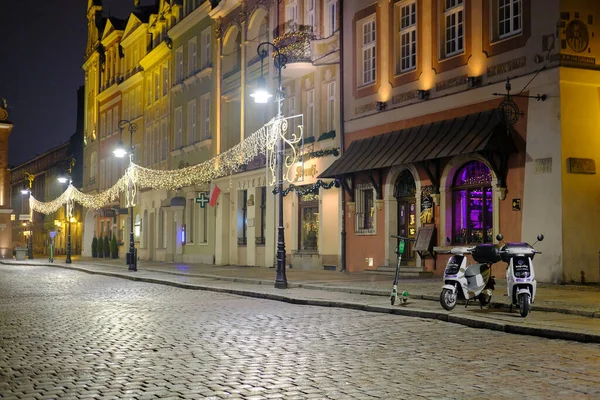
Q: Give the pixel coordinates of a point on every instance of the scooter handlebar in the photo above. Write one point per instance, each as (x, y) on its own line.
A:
(402, 238)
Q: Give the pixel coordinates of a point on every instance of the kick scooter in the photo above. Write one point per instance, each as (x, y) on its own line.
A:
(404, 296)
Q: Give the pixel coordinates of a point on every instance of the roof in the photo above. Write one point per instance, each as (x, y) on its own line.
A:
(144, 12)
(483, 131)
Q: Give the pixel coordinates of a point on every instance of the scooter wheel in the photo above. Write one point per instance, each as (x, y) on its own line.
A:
(393, 299)
(524, 304)
(448, 299)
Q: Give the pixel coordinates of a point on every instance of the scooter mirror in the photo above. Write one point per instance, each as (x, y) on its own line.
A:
(499, 237)
(540, 237)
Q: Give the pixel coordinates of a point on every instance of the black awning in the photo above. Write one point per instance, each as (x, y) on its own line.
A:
(483, 131)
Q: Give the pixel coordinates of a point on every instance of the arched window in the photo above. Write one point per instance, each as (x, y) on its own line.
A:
(472, 204)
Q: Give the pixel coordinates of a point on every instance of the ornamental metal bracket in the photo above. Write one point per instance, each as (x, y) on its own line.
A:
(499, 164)
(509, 110)
(377, 184)
(432, 168)
(348, 185)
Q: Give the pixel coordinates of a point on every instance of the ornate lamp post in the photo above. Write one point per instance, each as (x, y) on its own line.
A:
(30, 178)
(65, 179)
(120, 152)
(261, 95)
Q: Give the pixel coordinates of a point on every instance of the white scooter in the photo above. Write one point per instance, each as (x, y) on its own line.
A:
(520, 275)
(469, 282)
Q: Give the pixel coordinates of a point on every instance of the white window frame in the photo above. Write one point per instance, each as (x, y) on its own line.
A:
(102, 182)
(310, 13)
(206, 116)
(102, 125)
(509, 5)
(206, 48)
(148, 145)
(310, 112)
(368, 36)
(156, 144)
(291, 12)
(109, 123)
(165, 78)
(94, 165)
(164, 138)
(291, 104)
(126, 105)
(178, 128)
(192, 56)
(361, 204)
(116, 119)
(454, 22)
(179, 65)
(408, 39)
(330, 106)
(331, 13)
(192, 118)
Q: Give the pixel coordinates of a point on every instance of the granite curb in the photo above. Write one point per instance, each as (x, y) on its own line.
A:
(472, 322)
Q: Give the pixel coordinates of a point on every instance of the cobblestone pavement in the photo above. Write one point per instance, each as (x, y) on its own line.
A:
(69, 335)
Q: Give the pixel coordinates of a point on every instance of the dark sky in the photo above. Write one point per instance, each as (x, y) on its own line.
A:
(42, 44)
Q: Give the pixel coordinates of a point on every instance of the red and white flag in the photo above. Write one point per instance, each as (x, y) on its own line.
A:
(214, 194)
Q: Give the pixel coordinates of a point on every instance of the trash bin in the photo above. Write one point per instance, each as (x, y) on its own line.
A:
(21, 253)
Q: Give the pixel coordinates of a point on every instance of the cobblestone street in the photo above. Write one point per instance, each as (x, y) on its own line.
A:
(70, 335)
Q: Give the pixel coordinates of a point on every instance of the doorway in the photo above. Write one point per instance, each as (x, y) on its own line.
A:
(404, 192)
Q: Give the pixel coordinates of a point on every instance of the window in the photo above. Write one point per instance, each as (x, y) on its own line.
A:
(191, 122)
(291, 105)
(206, 57)
(178, 128)
(203, 222)
(365, 209)
(148, 90)
(310, 113)
(192, 56)
(165, 78)
(179, 65)
(308, 207)
(408, 38)
(164, 137)
(137, 229)
(156, 144)
(262, 222)
(189, 233)
(102, 125)
(243, 218)
(509, 17)
(137, 106)
(93, 166)
(109, 123)
(148, 145)
(206, 116)
(368, 52)
(291, 12)
(156, 85)
(126, 106)
(310, 13)
(454, 27)
(331, 17)
(116, 119)
(330, 106)
(472, 204)
(102, 175)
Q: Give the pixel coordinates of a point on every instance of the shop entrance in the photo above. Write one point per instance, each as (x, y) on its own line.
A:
(404, 192)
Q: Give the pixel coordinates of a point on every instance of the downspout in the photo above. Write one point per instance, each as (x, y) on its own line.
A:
(342, 142)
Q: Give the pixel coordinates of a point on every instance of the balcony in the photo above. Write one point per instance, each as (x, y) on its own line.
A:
(294, 41)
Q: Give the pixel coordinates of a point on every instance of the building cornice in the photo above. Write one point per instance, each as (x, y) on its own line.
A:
(190, 20)
(155, 56)
(223, 8)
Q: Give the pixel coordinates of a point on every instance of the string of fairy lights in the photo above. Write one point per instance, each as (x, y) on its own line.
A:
(137, 177)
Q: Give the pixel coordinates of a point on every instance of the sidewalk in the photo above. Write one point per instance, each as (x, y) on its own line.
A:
(570, 312)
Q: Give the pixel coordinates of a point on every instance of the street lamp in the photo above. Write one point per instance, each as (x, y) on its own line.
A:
(65, 179)
(261, 95)
(30, 178)
(120, 152)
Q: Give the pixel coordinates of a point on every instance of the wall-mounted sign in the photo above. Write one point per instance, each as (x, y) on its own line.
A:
(426, 215)
(581, 166)
(203, 200)
(577, 36)
(516, 204)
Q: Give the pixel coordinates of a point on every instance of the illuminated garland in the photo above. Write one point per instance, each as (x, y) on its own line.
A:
(310, 189)
(227, 163)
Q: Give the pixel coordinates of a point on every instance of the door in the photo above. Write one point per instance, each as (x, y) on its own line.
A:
(404, 192)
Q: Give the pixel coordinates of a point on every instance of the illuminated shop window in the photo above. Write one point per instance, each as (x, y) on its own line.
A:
(308, 206)
(472, 204)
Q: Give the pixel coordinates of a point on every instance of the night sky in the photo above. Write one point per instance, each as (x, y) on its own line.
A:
(42, 44)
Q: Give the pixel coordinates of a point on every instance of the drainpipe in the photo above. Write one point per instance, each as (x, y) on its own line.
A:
(342, 142)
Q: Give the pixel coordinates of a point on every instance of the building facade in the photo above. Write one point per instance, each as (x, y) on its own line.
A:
(466, 119)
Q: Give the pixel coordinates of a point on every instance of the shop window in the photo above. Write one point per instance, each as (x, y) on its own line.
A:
(308, 207)
(472, 204)
(365, 209)
(243, 218)
(137, 229)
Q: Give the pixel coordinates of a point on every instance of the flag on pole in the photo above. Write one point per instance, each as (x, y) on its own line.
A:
(214, 194)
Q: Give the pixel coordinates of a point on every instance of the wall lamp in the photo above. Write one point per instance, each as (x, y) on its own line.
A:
(380, 105)
(423, 94)
(474, 81)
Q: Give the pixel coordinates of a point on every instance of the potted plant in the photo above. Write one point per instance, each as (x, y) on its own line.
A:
(106, 247)
(95, 247)
(100, 247)
(114, 250)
